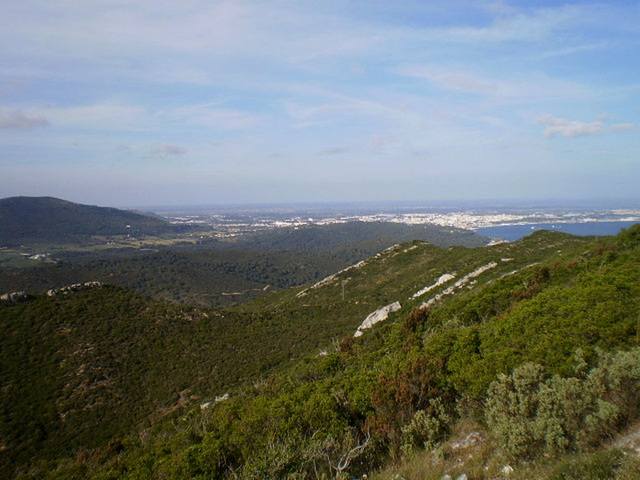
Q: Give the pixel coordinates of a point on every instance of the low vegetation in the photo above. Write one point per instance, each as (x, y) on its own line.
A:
(532, 365)
(187, 269)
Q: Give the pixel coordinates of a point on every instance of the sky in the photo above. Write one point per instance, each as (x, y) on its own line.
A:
(190, 102)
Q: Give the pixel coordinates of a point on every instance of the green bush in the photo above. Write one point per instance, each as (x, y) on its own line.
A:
(531, 415)
(427, 427)
(511, 409)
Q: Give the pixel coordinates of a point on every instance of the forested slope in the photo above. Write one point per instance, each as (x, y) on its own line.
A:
(218, 273)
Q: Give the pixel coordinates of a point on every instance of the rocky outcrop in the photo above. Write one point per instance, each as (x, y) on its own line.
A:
(328, 280)
(76, 287)
(460, 283)
(14, 297)
(378, 316)
(442, 280)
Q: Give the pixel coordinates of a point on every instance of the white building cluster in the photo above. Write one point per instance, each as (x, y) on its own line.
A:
(231, 225)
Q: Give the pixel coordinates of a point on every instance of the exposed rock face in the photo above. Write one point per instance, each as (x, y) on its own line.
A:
(14, 297)
(460, 283)
(377, 316)
(218, 399)
(328, 280)
(442, 280)
(76, 287)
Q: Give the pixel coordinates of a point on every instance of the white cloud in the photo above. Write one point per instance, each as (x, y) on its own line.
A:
(13, 119)
(573, 128)
(569, 128)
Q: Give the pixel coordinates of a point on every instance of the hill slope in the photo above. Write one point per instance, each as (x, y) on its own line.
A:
(46, 220)
(109, 358)
(368, 237)
(227, 272)
(544, 353)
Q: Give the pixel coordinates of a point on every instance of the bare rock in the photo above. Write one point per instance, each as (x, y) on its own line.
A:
(14, 297)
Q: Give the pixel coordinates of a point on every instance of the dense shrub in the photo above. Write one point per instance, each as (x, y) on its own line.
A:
(427, 427)
(531, 414)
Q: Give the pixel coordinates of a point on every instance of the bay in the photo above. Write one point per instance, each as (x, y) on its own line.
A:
(516, 232)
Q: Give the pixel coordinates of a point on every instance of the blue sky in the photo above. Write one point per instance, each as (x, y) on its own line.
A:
(114, 102)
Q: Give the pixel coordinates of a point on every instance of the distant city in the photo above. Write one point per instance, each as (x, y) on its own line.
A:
(507, 222)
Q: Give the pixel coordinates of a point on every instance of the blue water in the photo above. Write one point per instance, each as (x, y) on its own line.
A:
(516, 232)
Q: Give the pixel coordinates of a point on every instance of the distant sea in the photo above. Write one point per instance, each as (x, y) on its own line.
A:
(516, 232)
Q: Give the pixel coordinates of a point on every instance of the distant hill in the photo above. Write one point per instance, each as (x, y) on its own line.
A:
(38, 220)
(214, 272)
(369, 237)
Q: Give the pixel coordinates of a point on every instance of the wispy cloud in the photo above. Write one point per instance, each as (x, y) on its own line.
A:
(102, 116)
(561, 52)
(509, 24)
(573, 128)
(163, 149)
(212, 116)
(513, 88)
(191, 42)
(14, 119)
(371, 107)
(335, 150)
(450, 79)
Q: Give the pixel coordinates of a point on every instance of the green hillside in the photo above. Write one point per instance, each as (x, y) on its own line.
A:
(46, 220)
(365, 238)
(206, 278)
(219, 273)
(103, 383)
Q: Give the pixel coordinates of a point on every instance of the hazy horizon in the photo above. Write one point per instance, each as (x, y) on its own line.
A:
(529, 203)
(382, 205)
